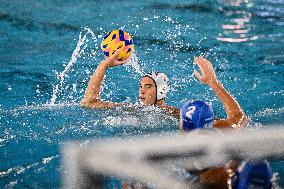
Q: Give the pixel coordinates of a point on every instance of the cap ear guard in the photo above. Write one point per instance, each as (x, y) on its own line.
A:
(162, 83)
(196, 114)
(253, 174)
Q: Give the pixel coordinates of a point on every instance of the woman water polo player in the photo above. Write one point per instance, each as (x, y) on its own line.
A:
(154, 86)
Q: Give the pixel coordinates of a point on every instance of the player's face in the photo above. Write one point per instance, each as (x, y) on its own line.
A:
(147, 91)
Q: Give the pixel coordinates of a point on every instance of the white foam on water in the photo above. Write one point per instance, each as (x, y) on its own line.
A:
(116, 121)
(21, 169)
(7, 137)
(12, 183)
(39, 107)
(48, 159)
(269, 112)
(137, 116)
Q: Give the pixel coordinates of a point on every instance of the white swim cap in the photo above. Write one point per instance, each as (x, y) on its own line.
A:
(162, 83)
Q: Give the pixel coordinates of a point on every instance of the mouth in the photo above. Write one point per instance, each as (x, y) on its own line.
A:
(142, 99)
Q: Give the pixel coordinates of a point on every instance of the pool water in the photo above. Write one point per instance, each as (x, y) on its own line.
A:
(49, 50)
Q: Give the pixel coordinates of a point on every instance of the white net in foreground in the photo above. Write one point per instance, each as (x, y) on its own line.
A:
(153, 159)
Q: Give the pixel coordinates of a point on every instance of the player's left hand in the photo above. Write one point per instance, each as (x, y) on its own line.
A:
(207, 75)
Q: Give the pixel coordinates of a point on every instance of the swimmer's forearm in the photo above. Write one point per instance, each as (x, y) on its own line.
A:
(93, 89)
(235, 114)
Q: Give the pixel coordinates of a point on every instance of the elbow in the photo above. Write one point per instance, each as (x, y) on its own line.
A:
(243, 121)
(91, 103)
(240, 120)
(83, 104)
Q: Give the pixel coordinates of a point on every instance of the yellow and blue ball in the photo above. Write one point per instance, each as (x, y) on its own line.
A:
(118, 39)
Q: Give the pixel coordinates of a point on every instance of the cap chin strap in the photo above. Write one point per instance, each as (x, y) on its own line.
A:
(156, 92)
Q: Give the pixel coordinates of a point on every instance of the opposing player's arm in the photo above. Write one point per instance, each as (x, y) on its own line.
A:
(235, 115)
(91, 98)
(217, 177)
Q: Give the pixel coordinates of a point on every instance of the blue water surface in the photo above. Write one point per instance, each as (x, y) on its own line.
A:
(40, 93)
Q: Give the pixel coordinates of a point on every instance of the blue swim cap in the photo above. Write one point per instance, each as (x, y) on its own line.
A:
(253, 174)
(196, 114)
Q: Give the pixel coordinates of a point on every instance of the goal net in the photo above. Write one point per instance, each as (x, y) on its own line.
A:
(164, 160)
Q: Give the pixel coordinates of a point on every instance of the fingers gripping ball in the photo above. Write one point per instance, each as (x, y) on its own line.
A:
(118, 39)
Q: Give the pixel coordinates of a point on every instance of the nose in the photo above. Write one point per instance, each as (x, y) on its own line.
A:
(142, 91)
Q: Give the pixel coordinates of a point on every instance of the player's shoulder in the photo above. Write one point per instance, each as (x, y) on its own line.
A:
(174, 111)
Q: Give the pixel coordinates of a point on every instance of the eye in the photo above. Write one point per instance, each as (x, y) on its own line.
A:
(148, 86)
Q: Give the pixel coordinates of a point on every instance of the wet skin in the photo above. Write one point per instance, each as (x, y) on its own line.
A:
(147, 91)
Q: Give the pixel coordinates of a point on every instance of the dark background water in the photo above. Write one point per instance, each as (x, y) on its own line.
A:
(243, 39)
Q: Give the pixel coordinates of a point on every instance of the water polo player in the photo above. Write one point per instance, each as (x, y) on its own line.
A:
(248, 174)
(196, 115)
(154, 87)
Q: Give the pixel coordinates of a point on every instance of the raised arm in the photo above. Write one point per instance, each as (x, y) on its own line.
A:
(235, 115)
(92, 95)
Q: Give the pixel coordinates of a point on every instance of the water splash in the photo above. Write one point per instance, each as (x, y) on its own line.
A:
(79, 50)
(133, 62)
